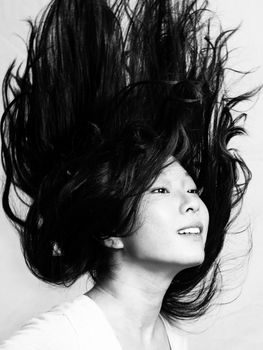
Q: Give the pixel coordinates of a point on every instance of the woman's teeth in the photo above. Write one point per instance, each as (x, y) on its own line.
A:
(189, 231)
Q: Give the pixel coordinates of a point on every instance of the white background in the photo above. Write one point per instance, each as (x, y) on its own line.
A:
(234, 326)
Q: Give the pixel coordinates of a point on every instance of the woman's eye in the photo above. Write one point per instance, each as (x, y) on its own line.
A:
(160, 190)
(196, 190)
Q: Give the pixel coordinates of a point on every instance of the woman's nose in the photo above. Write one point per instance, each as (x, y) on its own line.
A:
(190, 203)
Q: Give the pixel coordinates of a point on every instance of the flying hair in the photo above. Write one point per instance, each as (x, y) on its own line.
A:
(107, 94)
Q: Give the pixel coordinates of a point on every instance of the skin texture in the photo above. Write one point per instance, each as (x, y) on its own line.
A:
(147, 261)
(169, 205)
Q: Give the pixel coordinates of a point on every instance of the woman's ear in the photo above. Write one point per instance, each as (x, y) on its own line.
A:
(114, 242)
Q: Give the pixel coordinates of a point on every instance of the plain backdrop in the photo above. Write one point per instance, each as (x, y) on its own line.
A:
(233, 326)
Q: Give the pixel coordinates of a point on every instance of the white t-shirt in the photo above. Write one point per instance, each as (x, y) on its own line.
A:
(76, 325)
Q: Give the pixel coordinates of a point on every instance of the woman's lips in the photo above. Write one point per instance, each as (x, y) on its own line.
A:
(192, 229)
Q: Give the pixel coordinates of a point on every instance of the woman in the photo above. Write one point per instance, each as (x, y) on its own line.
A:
(116, 135)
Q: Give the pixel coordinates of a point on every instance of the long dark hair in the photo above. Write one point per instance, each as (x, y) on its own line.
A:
(107, 94)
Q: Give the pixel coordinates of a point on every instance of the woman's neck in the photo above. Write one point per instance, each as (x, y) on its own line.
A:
(137, 307)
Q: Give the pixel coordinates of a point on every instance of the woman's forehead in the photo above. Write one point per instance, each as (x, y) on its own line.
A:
(173, 169)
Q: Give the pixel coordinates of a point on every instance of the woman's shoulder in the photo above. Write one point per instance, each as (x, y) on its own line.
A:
(76, 324)
(46, 330)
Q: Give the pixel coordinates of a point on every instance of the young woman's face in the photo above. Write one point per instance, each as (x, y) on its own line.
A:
(172, 222)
